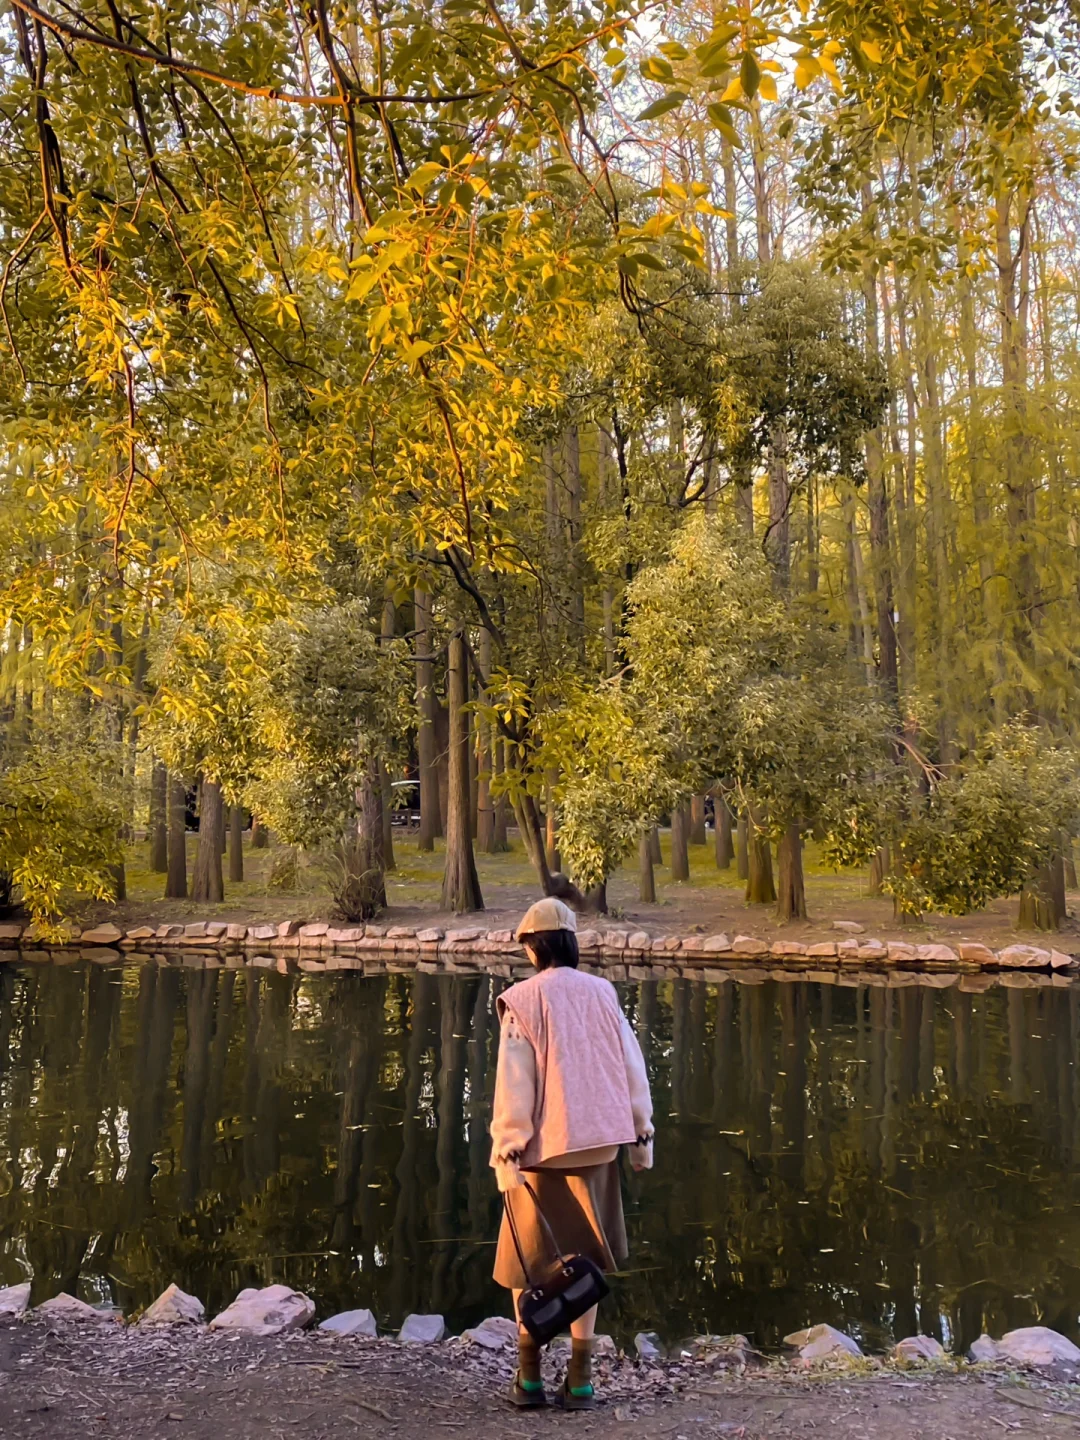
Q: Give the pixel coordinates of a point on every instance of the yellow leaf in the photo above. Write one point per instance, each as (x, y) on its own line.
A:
(767, 88)
(872, 50)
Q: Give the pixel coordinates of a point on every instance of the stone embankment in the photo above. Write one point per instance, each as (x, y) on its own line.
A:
(279, 1310)
(618, 953)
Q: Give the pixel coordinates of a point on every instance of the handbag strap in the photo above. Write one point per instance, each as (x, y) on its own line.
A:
(517, 1239)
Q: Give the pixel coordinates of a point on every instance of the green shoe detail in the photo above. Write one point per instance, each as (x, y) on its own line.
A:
(581, 1392)
(534, 1387)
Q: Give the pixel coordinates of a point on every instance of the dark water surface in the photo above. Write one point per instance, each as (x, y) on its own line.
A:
(887, 1159)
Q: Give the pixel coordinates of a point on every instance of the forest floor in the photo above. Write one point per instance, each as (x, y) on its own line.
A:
(126, 1384)
(709, 903)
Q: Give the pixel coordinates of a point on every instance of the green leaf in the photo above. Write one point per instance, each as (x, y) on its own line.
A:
(671, 101)
(749, 75)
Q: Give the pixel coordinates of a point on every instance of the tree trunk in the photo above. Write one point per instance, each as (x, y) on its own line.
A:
(206, 880)
(742, 849)
(485, 809)
(386, 808)
(596, 899)
(430, 818)
(363, 892)
(680, 834)
(159, 818)
(1070, 866)
(573, 528)
(878, 497)
(760, 888)
(880, 866)
(646, 876)
(791, 903)
(502, 804)
(461, 885)
(119, 874)
(725, 844)
(551, 842)
(176, 875)
(655, 849)
(260, 835)
(236, 843)
(697, 820)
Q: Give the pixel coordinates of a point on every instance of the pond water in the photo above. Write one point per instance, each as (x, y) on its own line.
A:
(887, 1159)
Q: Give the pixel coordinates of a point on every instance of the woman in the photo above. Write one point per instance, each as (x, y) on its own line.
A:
(571, 1088)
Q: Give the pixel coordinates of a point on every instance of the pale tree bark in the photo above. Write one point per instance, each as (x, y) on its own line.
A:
(236, 843)
(572, 449)
(260, 835)
(604, 465)
(485, 809)
(655, 849)
(725, 843)
(159, 818)
(905, 460)
(742, 847)
(176, 875)
(430, 817)
(388, 629)
(461, 885)
(207, 883)
(363, 887)
(878, 497)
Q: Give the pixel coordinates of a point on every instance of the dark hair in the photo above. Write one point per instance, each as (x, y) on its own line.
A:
(553, 948)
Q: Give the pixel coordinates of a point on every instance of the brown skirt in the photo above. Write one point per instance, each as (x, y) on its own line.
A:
(583, 1208)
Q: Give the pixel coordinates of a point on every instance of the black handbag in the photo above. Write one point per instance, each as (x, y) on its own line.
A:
(574, 1286)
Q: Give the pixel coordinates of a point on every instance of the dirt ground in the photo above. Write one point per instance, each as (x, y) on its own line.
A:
(129, 1385)
(710, 902)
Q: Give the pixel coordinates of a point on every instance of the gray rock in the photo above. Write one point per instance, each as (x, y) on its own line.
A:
(270, 1311)
(15, 1299)
(985, 1351)
(495, 1333)
(849, 927)
(66, 1307)
(174, 1307)
(919, 1350)
(821, 1341)
(647, 1344)
(423, 1330)
(351, 1322)
(1036, 1345)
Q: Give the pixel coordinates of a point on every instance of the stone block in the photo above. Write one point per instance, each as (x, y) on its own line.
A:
(195, 931)
(431, 936)
(821, 1341)
(691, 944)
(976, 954)
(614, 940)
(824, 949)
(141, 932)
(918, 1350)
(945, 954)
(900, 952)
(849, 927)
(1038, 1346)
(15, 1299)
(262, 932)
(873, 950)
(344, 935)
(716, 945)
(462, 937)
(315, 931)
(401, 932)
(351, 1322)
(639, 940)
(848, 950)
(423, 1330)
(168, 932)
(236, 931)
(503, 938)
(589, 940)
(780, 948)
(217, 929)
(1023, 957)
(288, 928)
(270, 1311)
(1060, 961)
(174, 1307)
(495, 1333)
(11, 931)
(748, 945)
(984, 1351)
(101, 935)
(66, 1308)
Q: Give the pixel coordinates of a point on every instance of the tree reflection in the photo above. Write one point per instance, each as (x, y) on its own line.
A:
(885, 1156)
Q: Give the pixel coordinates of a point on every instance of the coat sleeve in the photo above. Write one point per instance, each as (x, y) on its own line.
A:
(515, 1102)
(637, 1078)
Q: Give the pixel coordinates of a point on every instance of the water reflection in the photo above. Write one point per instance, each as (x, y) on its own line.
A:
(888, 1159)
